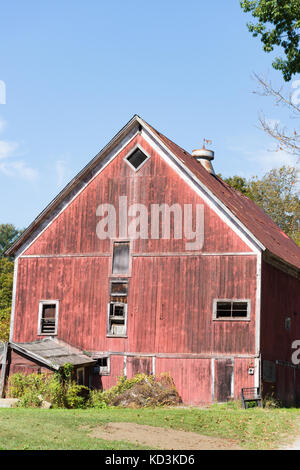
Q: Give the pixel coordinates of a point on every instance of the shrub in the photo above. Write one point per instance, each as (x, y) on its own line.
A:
(98, 399)
(58, 389)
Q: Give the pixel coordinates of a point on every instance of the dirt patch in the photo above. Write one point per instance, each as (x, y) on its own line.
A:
(160, 438)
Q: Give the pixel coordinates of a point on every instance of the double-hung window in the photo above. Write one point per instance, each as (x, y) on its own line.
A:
(117, 307)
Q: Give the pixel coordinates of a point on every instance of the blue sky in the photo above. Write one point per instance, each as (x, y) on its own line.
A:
(76, 72)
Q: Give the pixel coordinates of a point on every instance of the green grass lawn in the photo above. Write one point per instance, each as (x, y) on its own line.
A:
(255, 428)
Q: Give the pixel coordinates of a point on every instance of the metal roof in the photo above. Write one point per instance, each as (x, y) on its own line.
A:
(249, 214)
(53, 353)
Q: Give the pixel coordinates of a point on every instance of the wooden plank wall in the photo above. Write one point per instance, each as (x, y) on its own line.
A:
(171, 290)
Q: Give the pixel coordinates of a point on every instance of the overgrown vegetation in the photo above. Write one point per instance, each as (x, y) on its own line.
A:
(8, 234)
(139, 392)
(6, 285)
(62, 391)
(59, 389)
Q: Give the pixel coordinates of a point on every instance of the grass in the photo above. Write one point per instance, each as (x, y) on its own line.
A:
(37, 429)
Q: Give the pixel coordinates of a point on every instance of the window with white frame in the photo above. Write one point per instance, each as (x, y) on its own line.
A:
(102, 367)
(231, 309)
(121, 258)
(48, 316)
(117, 308)
(137, 158)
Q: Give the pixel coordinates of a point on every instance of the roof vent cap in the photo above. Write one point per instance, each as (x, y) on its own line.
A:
(205, 156)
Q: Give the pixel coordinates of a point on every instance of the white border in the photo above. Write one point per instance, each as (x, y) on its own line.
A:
(41, 304)
(108, 333)
(137, 146)
(247, 318)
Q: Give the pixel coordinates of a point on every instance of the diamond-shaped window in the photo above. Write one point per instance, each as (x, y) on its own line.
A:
(137, 158)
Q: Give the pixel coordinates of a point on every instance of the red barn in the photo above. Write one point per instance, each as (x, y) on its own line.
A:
(149, 262)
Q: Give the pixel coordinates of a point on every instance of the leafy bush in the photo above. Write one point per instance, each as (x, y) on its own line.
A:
(62, 392)
(98, 399)
(59, 389)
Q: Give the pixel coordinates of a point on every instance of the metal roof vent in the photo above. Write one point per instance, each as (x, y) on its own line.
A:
(205, 156)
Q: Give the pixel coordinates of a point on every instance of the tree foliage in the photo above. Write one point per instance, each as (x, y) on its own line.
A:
(8, 234)
(278, 24)
(6, 285)
(277, 195)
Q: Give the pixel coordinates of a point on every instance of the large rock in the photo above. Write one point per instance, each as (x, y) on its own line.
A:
(44, 404)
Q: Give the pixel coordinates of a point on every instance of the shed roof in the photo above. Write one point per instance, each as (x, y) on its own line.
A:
(53, 353)
(257, 222)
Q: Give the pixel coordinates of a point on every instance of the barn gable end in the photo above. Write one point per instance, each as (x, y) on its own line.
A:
(152, 296)
(73, 230)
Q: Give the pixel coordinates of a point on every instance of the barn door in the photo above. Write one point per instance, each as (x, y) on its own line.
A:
(138, 365)
(223, 380)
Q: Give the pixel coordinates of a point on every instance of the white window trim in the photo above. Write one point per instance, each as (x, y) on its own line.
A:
(137, 146)
(120, 275)
(107, 356)
(109, 334)
(247, 318)
(41, 304)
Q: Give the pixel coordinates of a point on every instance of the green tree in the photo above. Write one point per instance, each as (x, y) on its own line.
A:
(6, 284)
(278, 25)
(8, 234)
(239, 183)
(276, 194)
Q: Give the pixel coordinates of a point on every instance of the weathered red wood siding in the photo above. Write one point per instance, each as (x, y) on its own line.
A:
(74, 230)
(170, 303)
(116, 371)
(192, 377)
(280, 300)
(171, 291)
(23, 365)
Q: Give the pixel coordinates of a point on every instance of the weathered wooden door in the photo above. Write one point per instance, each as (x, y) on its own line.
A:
(138, 365)
(223, 380)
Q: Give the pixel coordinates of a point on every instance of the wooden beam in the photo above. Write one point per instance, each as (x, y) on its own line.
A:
(3, 370)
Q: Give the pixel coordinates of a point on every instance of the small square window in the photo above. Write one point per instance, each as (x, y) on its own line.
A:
(103, 366)
(119, 288)
(136, 159)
